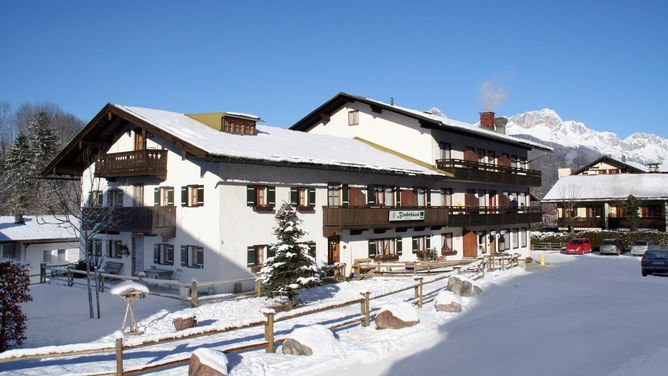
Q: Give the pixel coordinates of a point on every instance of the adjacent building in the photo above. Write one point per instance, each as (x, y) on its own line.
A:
(593, 196)
(195, 195)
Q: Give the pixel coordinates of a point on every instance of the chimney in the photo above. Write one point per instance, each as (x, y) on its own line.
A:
(487, 120)
(500, 125)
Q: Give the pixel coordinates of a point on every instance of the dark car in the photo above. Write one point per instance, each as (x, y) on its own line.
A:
(654, 261)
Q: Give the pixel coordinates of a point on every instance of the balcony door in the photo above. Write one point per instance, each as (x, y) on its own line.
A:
(137, 253)
(333, 250)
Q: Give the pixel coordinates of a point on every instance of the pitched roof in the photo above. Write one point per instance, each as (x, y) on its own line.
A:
(426, 120)
(608, 187)
(36, 229)
(632, 167)
(271, 145)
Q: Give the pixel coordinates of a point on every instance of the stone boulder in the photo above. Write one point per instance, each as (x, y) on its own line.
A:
(397, 316)
(463, 286)
(447, 301)
(184, 322)
(207, 362)
(308, 340)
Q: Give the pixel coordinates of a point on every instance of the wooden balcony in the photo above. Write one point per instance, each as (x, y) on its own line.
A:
(150, 220)
(464, 216)
(146, 162)
(489, 173)
(336, 219)
(649, 223)
(581, 222)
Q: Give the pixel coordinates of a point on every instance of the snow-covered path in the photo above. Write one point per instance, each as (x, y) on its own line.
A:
(593, 316)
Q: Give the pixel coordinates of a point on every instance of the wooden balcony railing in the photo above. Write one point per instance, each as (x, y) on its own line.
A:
(489, 173)
(146, 162)
(651, 223)
(581, 222)
(336, 219)
(153, 220)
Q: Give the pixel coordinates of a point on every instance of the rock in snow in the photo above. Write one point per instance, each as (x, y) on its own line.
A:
(207, 362)
(463, 286)
(397, 316)
(447, 301)
(127, 287)
(308, 340)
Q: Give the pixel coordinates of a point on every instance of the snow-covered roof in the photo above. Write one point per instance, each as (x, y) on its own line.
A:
(607, 187)
(277, 144)
(36, 228)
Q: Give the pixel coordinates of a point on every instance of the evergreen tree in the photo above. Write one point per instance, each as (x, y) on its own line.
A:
(631, 211)
(14, 282)
(43, 140)
(18, 168)
(291, 268)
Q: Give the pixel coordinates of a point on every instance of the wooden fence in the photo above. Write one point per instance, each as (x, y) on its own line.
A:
(547, 246)
(477, 269)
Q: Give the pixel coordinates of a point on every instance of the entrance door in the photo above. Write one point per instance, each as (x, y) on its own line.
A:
(137, 253)
(333, 250)
(492, 244)
(470, 244)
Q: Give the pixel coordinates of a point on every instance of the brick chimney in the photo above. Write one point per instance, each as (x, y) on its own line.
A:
(487, 120)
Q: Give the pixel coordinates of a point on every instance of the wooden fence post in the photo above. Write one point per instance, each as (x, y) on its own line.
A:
(258, 287)
(364, 307)
(42, 272)
(193, 293)
(269, 330)
(119, 356)
(418, 291)
(70, 277)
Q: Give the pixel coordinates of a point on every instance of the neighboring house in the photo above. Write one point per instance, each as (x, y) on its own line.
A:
(593, 196)
(195, 195)
(36, 240)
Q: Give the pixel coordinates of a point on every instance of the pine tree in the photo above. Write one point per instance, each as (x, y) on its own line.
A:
(631, 211)
(18, 169)
(14, 282)
(42, 139)
(291, 268)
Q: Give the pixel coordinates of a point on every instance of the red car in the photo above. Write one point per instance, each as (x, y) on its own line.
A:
(578, 246)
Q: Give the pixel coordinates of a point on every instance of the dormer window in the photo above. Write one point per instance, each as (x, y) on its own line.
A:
(240, 126)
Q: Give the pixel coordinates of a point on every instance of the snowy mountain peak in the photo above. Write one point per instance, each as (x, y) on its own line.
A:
(546, 125)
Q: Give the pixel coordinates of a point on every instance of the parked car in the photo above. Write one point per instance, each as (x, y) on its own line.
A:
(578, 246)
(611, 247)
(639, 247)
(654, 261)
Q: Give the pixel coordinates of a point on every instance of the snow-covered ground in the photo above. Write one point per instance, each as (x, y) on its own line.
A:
(579, 315)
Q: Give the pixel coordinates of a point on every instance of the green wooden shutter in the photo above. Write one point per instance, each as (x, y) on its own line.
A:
(271, 251)
(372, 249)
(184, 255)
(428, 193)
(156, 253)
(184, 196)
(311, 196)
(250, 256)
(397, 196)
(271, 196)
(170, 196)
(311, 249)
(345, 195)
(156, 196)
(170, 254)
(200, 257)
(250, 195)
(416, 244)
(294, 196)
(370, 195)
(399, 247)
(428, 242)
(200, 195)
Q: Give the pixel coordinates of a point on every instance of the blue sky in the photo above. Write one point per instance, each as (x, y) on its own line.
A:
(602, 63)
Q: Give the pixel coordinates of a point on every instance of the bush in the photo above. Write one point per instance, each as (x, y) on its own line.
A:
(14, 282)
(657, 238)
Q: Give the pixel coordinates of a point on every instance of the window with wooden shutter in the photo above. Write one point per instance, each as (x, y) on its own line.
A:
(311, 197)
(345, 195)
(199, 257)
(156, 196)
(294, 196)
(372, 249)
(333, 194)
(184, 196)
(250, 195)
(200, 195)
(271, 196)
(170, 195)
(184, 255)
(251, 256)
(170, 255)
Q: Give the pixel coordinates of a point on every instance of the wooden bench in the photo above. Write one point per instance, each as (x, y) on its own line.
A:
(112, 267)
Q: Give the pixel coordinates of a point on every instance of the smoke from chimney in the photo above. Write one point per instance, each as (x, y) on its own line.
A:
(490, 96)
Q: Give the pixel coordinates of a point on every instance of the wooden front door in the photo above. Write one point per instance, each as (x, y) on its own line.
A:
(492, 244)
(333, 250)
(470, 244)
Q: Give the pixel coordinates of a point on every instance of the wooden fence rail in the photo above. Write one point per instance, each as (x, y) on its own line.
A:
(121, 345)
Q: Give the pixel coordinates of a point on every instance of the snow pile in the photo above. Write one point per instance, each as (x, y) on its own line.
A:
(447, 297)
(316, 337)
(216, 360)
(403, 311)
(127, 287)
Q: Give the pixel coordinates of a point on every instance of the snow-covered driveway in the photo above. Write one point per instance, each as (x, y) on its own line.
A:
(593, 316)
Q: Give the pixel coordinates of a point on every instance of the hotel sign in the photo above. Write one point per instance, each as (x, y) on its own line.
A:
(406, 215)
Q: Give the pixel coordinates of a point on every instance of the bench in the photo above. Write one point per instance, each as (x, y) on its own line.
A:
(112, 267)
